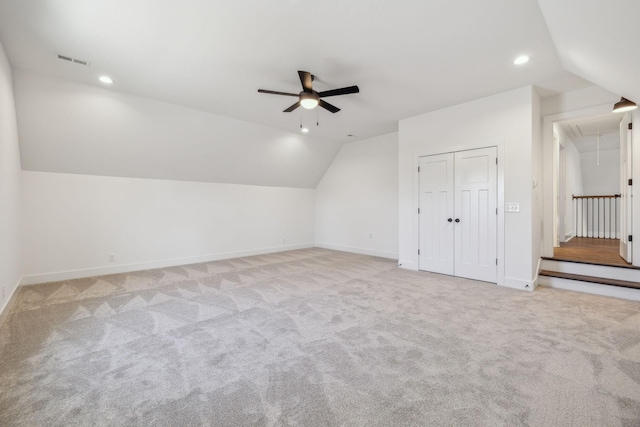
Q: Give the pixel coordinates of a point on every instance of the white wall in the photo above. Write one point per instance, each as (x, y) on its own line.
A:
(10, 265)
(504, 120)
(592, 96)
(601, 179)
(357, 199)
(73, 222)
(70, 127)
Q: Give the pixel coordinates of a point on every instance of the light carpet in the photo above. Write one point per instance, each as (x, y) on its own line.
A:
(315, 338)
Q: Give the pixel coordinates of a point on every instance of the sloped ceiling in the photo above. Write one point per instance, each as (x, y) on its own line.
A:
(407, 57)
(598, 40)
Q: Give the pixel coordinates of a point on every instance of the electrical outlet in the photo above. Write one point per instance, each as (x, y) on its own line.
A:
(112, 257)
(371, 235)
(284, 241)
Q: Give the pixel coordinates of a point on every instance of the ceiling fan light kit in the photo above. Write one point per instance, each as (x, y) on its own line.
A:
(309, 98)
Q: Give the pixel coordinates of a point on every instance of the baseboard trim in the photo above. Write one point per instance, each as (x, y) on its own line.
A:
(35, 279)
(526, 285)
(4, 313)
(408, 265)
(361, 251)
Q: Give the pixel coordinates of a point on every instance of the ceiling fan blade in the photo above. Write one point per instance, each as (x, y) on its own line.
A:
(341, 91)
(273, 92)
(328, 106)
(293, 107)
(306, 80)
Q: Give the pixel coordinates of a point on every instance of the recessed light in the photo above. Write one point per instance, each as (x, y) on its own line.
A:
(522, 59)
(304, 130)
(106, 80)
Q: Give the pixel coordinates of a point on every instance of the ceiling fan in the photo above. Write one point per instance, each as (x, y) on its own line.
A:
(309, 98)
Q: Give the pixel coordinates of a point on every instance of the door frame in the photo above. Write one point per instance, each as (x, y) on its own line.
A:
(499, 144)
(549, 159)
(562, 196)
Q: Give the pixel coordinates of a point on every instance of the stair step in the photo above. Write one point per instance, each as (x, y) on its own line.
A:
(591, 279)
(590, 269)
(619, 265)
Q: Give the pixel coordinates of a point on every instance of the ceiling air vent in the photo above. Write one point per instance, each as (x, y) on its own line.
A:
(74, 60)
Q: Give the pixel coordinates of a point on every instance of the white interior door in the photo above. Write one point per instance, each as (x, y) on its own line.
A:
(475, 223)
(436, 214)
(562, 202)
(626, 172)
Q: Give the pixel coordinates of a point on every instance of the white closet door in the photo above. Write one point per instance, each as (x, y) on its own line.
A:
(475, 202)
(436, 209)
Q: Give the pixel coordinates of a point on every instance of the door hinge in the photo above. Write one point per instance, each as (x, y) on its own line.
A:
(630, 239)
(630, 126)
(630, 181)
(418, 169)
(496, 211)
(496, 261)
(418, 251)
(418, 210)
(496, 160)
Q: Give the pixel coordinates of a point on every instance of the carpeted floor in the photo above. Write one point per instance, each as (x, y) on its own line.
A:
(315, 338)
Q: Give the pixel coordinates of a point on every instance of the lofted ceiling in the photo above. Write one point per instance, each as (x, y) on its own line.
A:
(408, 58)
(597, 40)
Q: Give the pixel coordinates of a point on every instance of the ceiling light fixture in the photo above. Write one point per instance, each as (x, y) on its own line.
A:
(309, 100)
(624, 105)
(523, 59)
(106, 80)
(304, 130)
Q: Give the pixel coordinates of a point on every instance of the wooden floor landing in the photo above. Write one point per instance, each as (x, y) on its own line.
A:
(591, 251)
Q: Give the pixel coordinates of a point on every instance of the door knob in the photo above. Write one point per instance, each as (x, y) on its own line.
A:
(457, 219)
(450, 220)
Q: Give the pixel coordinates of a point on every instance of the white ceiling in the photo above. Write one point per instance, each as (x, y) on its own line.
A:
(407, 57)
(598, 40)
(593, 133)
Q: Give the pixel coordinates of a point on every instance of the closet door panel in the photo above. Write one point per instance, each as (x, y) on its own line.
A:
(475, 204)
(436, 208)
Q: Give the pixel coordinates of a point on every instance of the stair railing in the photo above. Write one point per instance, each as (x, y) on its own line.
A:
(597, 216)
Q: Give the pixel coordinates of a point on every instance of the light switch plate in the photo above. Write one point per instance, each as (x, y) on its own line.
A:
(513, 207)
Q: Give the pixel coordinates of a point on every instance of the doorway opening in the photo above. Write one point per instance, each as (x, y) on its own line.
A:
(592, 164)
